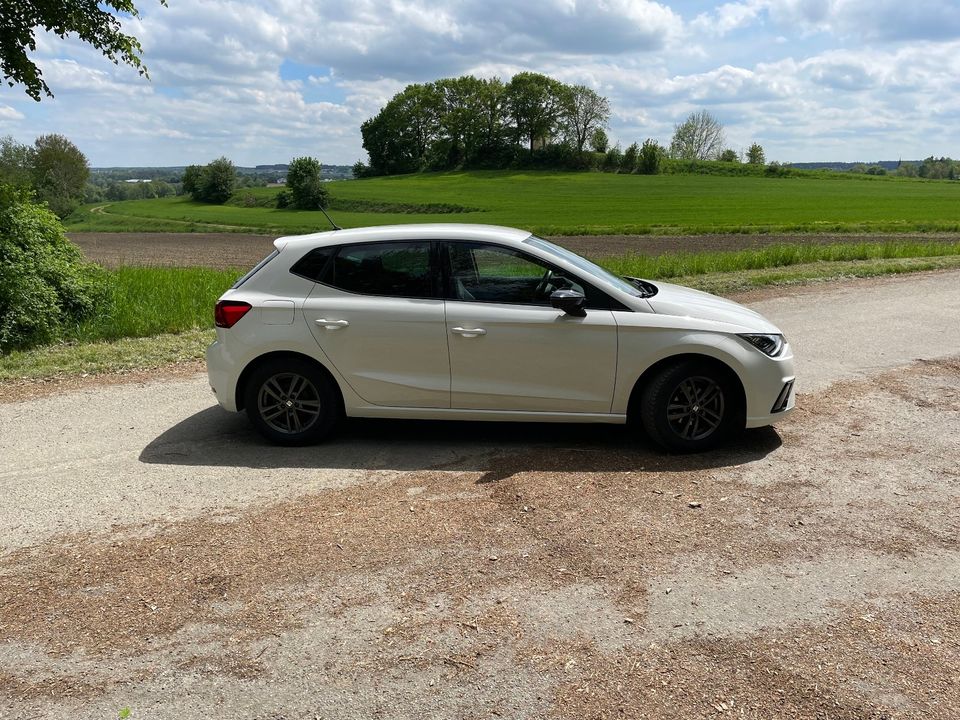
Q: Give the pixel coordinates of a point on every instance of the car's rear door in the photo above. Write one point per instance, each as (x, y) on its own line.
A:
(377, 314)
(509, 349)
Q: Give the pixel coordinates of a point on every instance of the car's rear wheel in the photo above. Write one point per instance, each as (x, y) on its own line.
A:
(291, 402)
(690, 406)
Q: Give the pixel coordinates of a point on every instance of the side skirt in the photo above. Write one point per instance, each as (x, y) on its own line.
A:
(400, 413)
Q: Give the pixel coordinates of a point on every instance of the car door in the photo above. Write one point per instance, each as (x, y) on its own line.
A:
(377, 314)
(509, 349)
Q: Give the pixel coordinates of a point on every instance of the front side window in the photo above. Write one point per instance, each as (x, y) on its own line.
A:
(494, 274)
(401, 269)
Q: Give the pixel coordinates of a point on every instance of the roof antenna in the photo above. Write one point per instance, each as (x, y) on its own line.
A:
(335, 226)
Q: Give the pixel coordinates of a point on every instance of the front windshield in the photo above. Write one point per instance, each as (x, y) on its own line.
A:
(583, 264)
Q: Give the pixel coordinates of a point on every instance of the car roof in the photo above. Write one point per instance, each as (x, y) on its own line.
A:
(419, 231)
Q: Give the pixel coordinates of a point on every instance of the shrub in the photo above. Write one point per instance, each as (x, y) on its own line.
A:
(283, 199)
(45, 284)
(614, 158)
(650, 157)
(629, 162)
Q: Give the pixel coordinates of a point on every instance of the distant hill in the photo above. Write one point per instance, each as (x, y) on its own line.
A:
(173, 172)
(847, 166)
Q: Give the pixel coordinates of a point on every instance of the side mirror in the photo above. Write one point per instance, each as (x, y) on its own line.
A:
(570, 301)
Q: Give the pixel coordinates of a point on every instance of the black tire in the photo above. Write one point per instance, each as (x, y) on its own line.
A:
(691, 406)
(290, 401)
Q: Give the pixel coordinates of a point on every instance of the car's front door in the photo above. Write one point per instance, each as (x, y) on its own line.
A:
(509, 349)
(377, 314)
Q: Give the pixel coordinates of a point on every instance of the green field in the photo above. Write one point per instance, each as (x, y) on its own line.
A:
(552, 203)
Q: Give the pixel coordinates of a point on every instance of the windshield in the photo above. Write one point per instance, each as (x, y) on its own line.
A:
(585, 265)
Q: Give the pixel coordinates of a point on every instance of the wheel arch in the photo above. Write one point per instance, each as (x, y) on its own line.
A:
(260, 360)
(651, 372)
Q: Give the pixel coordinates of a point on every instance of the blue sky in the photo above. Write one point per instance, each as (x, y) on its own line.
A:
(262, 81)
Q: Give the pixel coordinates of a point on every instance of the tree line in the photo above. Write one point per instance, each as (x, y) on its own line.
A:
(531, 121)
(470, 122)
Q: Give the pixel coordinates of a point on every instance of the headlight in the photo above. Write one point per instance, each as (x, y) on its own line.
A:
(771, 345)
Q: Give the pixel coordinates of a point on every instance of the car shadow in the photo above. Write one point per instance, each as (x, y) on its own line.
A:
(214, 437)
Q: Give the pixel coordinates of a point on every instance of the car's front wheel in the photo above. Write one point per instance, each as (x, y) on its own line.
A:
(291, 402)
(690, 406)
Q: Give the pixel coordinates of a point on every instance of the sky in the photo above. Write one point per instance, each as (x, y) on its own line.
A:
(262, 81)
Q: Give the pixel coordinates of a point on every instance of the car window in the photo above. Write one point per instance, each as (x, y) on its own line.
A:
(399, 269)
(314, 263)
(490, 273)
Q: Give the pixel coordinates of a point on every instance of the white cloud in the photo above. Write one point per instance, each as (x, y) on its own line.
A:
(263, 81)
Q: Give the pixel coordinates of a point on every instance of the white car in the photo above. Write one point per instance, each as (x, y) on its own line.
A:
(476, 322)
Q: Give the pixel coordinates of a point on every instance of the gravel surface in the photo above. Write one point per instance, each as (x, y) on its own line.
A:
(157, 556)
(229, 250)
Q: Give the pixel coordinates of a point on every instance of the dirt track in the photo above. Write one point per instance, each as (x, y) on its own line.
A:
(226, 250)
(157, 556)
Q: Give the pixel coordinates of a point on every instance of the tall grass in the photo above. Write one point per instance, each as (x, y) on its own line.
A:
(684, 264)
(152, 301)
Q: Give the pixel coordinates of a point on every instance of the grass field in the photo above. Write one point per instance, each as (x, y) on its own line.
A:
(551, 203)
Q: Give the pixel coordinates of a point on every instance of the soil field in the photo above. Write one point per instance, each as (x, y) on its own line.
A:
(231, 250)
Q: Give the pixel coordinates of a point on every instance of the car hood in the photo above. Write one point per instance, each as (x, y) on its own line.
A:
(687, 302)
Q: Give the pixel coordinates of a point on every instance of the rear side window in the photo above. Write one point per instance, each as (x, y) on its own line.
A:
(312, 265)
(256, 268)
(402, 269)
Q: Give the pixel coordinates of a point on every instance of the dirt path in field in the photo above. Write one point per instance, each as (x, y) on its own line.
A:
(156, 556)
(230, 250)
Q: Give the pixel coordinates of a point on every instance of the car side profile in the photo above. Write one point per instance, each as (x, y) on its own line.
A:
(476, 322)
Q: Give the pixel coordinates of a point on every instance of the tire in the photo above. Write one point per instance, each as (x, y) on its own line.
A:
(292, 402)
(690, 407)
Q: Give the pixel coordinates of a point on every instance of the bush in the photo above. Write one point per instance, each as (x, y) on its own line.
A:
(611, 163)
(303, 182)
(630, 156)
(45, 284)
(650, 157)
(283, 199)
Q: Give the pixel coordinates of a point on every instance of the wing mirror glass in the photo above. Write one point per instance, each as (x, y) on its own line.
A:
(570, 301)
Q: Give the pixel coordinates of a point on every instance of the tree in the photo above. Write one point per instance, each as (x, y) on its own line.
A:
(60, 172)
(45, 284)
(729, 156)
(16, 161)
(599, 141)
(699, 137)
(536, 105)
(755, 155)
(192, 176)
(303, 182)
(587, 111)
(651, 155)
(211, 183)
(93, 22)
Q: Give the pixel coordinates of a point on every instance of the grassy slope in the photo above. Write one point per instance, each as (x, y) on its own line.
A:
(552, 203)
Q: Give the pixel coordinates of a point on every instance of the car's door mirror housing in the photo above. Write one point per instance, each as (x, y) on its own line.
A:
(570, 301)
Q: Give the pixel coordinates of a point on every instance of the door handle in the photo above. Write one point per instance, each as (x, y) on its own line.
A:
(331, 324)
(468, 332)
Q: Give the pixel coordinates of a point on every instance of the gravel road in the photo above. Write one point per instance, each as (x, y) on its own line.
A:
(155, 555)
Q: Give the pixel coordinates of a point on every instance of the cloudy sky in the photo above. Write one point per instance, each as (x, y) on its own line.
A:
(261, 81)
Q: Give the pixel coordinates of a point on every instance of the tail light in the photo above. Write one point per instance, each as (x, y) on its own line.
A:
(228, 312)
